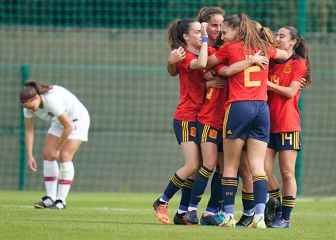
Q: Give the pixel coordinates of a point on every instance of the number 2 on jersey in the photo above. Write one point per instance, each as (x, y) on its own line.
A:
(247, 77)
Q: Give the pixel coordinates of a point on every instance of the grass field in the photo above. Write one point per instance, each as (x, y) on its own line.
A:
(129, 216)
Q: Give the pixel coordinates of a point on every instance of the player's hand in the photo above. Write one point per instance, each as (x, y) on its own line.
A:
(204, 26)
(209, 75)
(176, 55)
(32, 164)
(303, 83)
(259, 59)
(216, 83)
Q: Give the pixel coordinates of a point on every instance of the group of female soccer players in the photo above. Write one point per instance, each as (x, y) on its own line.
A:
(238, 107)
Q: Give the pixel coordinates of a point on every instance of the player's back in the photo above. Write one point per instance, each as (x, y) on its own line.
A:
(250, 84)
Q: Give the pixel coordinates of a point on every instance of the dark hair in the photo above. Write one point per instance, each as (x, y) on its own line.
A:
(175, 32)
(300, 48)
(31, 89)
(248, 32)
(219, 41)
(205, 13)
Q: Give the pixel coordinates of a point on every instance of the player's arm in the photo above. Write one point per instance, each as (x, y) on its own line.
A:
(201, 61)
(256, 59)
(213, 61)
(172, 70)
(67, 129)
(175, 56)
(281, 54)
(289, 91)
(29, 143)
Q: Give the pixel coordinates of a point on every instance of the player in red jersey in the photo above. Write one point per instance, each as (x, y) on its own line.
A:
(214, 16)
(244, 170)
(284, 93)
(193, 37)
(247, 115)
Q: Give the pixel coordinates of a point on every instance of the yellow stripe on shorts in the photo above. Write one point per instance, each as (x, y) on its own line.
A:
(226, 116)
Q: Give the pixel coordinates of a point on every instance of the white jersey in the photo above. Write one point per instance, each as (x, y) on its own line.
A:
(57, 101)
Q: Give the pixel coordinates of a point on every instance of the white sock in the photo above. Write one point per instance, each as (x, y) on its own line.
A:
(179, 211)
(66, 176)
(207, 213)
(50, 174)
(192, 209)
(259, 217)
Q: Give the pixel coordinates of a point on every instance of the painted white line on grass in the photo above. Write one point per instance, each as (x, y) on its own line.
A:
(105, 209)
(315, 199)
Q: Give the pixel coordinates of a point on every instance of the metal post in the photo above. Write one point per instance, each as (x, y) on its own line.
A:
(299, 162)
(22, 149)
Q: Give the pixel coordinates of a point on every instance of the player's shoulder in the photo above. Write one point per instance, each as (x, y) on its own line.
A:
(299, 63)
(189, 55)
(232, 48)
(55, 94)
(234, 45)
(211, 50)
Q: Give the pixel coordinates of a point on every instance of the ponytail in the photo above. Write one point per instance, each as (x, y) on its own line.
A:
(301, 49)
(176, 30)
(250, 35)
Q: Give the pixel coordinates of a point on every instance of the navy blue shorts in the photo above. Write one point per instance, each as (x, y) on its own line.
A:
(185, 131)
(285, 141)
(206, 133)
(247, 119)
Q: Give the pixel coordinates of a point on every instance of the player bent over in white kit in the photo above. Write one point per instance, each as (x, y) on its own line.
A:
(70, 122)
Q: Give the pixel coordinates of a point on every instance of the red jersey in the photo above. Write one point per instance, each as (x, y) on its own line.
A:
(250, 84)
(213, 108)
(192, 89)
(284, 112)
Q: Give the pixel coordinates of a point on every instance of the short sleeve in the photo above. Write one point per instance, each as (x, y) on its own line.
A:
(27, 113)
(54, 105)
(211, 50)
(185, 64)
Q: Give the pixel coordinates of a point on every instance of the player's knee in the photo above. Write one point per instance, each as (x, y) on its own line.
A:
(66, 156)
(192, 167)
(46, 153)
(259, 172)
(287, 175)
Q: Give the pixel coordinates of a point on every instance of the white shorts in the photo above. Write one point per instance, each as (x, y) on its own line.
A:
(80, 129)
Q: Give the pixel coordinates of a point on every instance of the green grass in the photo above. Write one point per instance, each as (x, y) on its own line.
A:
(129, 216)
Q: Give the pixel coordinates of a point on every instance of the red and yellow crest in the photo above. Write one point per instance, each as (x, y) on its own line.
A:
(287, 69)
(213, 133)
(193, 131)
